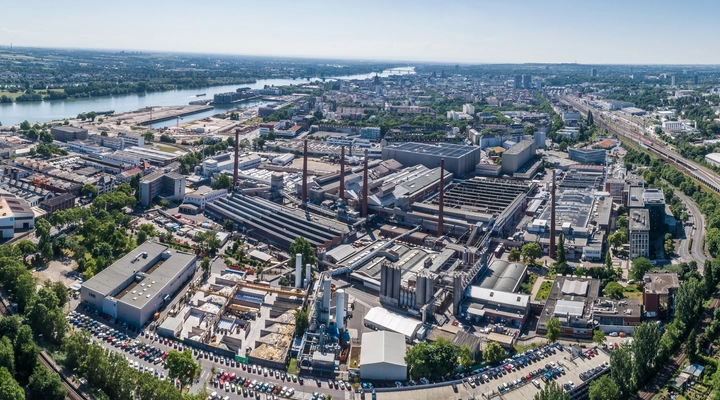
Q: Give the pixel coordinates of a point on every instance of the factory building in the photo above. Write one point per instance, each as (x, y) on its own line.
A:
(203, 196)
(133, 288)
(381, 319)
(262, 218)
(497, 306)
(459, 160)
(382, 358)
(15, 214)
(517, 156)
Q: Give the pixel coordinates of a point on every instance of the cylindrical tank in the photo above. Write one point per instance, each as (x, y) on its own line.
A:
(308, 272)
(420, 291)
(298, 270)
(326, 294)
(340, 308)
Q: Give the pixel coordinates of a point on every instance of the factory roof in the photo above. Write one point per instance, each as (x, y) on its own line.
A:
(387, 347)
(519, 147)
(391, 321)
(496, 296)
(441, 149)
(159, 268)
(502, 275)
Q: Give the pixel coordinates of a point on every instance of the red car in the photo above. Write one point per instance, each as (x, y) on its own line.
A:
(507, 368)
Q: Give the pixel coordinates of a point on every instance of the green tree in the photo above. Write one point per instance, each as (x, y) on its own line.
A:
(691, 346)
(531, 252)
(552, 391)
(553, 329)
(26, 247)
(302, 246)
(164, 203)
(75, 347)
(91, 115)
(465, 357)
(617, 239)
(604, 389)
(228, 225)
(640, 266)
(182, 367)
(614, 290)
(222, 182)
(45, 385)
(7, 354)
(645, 348)
(621, 369)
(514, 255)
(9, 388)
(598, 336)
(560, 252)
(103, 133)
(436, 359)
(608, 263)
(89, 190)
(205, 265)
(493, 353)
(302, 322)
(590, 119)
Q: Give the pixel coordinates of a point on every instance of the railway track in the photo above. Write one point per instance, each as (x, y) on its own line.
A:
(659, 381)
(49, 363)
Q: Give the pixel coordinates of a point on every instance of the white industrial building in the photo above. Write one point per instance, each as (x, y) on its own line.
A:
(713, 159)
(381, 319)
(204, 195)
(382, 357)
(139, 284)
(15, 213)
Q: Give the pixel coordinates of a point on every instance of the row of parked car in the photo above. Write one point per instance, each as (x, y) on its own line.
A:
(591, 373)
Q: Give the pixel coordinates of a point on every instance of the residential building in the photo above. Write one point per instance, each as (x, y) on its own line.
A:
(136, 286)
(469, 109)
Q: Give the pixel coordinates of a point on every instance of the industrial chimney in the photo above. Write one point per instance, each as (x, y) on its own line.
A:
(365, 187)
(237, 155)
(304, 177)
(440, 206)
(340, 309)
(341, 195)
(552, 217)
(298, 271)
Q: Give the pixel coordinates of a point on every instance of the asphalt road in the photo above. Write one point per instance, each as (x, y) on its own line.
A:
(696, 231)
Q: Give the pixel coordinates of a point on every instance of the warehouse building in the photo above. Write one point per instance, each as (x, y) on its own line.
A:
(380, 319)
(503, 276)
(497, 306)
(139, 284)
(459, 160)
(383, 356)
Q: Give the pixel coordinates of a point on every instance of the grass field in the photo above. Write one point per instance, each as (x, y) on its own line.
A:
(544, 291)
(166, 149)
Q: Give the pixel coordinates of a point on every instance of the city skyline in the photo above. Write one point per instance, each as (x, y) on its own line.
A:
(556, 31)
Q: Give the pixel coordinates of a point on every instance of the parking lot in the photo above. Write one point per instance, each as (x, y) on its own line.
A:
(143, 348)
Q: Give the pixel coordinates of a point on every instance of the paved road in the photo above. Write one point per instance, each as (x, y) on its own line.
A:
(696, 231)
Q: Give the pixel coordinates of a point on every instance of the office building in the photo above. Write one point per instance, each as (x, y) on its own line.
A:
(66, 133)
(370, 132)
(672, 80)
(588, 156)
(672, 126)
(167, 185)
(459, 159)
(526, 81)
(517, 81)
(593, 72)
(540, 137)
(639, 233)
(139, 284)
(204, 195)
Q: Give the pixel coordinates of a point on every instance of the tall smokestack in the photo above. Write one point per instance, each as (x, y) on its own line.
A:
(365, 187)
(304, 182)
(552, 218)
(237, 155)
(342, 173)
(340, 309)
(442, 192)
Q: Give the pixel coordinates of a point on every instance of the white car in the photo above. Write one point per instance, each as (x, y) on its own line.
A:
(613, 334)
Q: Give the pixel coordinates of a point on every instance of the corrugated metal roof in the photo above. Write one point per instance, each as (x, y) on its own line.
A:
(387, 347)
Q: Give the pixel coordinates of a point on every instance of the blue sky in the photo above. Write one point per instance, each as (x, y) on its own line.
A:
(471, 31)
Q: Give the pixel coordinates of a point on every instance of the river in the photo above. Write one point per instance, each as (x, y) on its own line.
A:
(46, 111)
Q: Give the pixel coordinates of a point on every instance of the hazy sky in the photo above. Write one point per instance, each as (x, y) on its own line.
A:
(471, 31)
